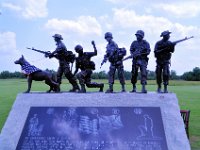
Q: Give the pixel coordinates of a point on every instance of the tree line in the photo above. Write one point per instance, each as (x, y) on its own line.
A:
(193, 75)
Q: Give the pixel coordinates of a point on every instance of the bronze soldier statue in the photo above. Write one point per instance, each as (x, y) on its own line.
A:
(163, 51)
(114, 55)
(64, 57)
(139, 50)
(84, 63)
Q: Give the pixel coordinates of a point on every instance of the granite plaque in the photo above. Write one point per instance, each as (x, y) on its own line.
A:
(93, 128)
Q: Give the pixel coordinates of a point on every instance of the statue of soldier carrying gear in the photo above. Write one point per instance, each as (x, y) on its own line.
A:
(64, 57)
(84, 63)
(139, 50)
(163, 51)
(114, 55)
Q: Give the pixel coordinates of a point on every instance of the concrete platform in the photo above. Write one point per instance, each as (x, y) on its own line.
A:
(170, 111)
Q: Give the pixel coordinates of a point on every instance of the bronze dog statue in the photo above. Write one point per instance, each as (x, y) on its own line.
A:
(34, 73)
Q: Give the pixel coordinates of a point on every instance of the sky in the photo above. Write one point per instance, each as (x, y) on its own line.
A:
(32, 23)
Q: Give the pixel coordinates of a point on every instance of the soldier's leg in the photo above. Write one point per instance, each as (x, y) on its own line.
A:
(111, 76)
(134, 77)
(120, 71)
(143, 70)
(72, 79)
(81, 79)
(166, 74)
(59, 77)
(90, 84)
(159, 77)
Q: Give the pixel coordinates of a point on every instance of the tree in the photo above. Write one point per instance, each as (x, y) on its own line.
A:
(192, 75)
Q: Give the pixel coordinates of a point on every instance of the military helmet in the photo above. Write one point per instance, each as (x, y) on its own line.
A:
(108, 34)
(140, 32)
(78, 48)
(164, 33)
(58, 36)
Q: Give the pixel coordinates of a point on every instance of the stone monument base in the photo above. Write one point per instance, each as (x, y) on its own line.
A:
(173, 125)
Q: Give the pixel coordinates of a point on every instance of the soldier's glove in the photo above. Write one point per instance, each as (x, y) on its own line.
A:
(50, 55)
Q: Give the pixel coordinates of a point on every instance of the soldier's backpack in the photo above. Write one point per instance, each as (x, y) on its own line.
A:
(70, 57)
(121, 53)
(91, 65)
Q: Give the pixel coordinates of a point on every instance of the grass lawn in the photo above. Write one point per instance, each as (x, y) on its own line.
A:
(187, 93)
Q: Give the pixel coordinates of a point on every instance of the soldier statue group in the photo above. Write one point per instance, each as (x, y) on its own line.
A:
(139, 50)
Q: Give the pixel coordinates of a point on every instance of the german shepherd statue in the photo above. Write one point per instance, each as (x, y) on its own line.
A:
(34, 73)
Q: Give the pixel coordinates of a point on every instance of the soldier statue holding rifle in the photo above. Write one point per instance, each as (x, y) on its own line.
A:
(84, 63)
(114, 55)
(163, 51)
(64, 57)
(139, 50)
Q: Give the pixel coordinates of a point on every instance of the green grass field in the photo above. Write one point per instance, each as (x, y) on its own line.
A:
(187, 93)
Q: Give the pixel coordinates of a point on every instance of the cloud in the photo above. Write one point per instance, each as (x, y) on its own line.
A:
(129, 19)
(29, 9)
(180, 9)
(11, 6)
(150, 24)
(122, 1)
(84, 25)
(8, 51)
(35, 9)
(7, 43)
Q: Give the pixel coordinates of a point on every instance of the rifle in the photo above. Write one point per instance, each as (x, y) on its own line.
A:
(175, 42)
(46, 53)
(104, 61)
(134, 55)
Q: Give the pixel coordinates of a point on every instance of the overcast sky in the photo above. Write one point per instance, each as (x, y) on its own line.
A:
(31, 23)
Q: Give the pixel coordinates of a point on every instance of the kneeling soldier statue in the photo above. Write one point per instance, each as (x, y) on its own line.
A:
(115, 56)
(65, 58)
(83, 62)
(163, 51)
(139, 50)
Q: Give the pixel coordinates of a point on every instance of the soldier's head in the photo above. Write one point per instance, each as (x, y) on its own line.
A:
(165, 35)
(108, 36)
(79, 49)
(139, 35)
(57, 37)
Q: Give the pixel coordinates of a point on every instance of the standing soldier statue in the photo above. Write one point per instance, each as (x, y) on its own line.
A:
(115, 56)
(83, 62)
(163, 51)
(64, 57)
(139, 50)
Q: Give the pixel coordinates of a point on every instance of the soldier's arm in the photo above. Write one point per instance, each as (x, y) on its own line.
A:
(171, 46)
(91, 54)
(147, 49)
(132, 49)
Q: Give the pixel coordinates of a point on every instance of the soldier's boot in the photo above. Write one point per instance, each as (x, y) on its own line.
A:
(123, 88)
(58, 88)
(159, 88)
(110, 89)
(83, 90)
(75, 88)
(134, 88)
(101, 87)
(165, 89)
(144, 89)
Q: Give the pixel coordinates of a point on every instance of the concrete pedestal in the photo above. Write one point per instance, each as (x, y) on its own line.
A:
(168, 103)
